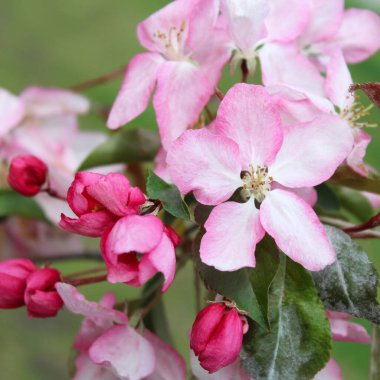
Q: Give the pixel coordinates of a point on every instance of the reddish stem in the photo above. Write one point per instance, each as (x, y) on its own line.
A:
(244, 71)
(85, 272)
(372, 223)
(219, 94)
(85, 281)
(99, 80)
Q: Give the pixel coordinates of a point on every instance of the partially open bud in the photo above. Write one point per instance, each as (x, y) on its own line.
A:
(41, 298)
(13, 275)
(217, 336)
(27, 174)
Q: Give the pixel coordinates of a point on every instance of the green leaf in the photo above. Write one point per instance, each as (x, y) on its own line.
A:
(124, 146)
(345, 176)
(299, 342)
(12, 203)
(355, 203)
(350, 284)
(327, 199)
(241, 285)
(169, 196)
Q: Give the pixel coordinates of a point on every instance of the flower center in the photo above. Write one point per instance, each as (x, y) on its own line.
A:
(355, 112)
(172, 43)
(256, 183)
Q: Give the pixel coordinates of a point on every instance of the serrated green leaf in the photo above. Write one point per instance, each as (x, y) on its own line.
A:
(124, 146)
(350, 284)
(241, 285)
(345, 176)
(299, 342)
(169, 196)
(14, 204)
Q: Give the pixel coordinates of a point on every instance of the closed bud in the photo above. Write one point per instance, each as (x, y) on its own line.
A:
(13, 275)
(217, 336)
(27, 174)
(41, 298)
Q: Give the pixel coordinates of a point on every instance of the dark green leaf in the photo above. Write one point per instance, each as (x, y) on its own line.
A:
(299, 342)
(327, 199)
(355, 203)
(241, 285)
(345, 176)
(124, 146)
(12, 203)
(350, 284)
(169, 196)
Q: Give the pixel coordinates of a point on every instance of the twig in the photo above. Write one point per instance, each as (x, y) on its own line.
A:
(85, 272)
(219, 94)
(374, 370)
(99, 80)
(85, 281)
(372, 223)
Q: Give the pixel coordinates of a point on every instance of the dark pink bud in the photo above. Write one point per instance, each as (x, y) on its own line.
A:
(13, 275)
(173, 236)
(41, 298)
(217, 336)
(27, 174)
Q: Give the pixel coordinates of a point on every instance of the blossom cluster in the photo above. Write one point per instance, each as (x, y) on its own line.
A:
(251, 157)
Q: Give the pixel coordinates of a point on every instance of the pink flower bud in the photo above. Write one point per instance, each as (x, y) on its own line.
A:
(217, 336)
(13, 275)
(27, 174)
(41, 298)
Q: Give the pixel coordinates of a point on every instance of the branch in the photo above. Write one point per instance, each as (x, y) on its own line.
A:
(99, 80)
(372, 223)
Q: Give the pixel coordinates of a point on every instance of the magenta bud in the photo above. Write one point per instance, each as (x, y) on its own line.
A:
(217, 336)
(41, 298)
(13, 275)
(27, 174)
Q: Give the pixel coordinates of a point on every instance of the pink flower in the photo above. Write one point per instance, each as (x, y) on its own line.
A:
(27, 174)
(13, 276)
(99, 200)
(330, 372)
(217, 336)
(137, 247)
(186, 54)
(110, 349)
(41, 298)
(12, 111)
(251, 150)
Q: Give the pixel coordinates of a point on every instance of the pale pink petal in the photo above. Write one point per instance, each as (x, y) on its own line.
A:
(296, 229)
(324, 22)
(338, 81)
(92, 224)
(312, 151)
(172, 16)
(125, 351)
(248, 116)
(183, 89)
(308, 194)
(44, 102)
(11, 111)
(160, 259)
(285, 64)
(246, 21)
(355, 158)
(135, 92)
(232, 232)
(206, 164)
(169, 364)
(374, 199)
(330, 372)
(135, 233)
(87, 370)
(283, 25)
(359, 34)
(100, 314)
(231, 372)
(161, 168)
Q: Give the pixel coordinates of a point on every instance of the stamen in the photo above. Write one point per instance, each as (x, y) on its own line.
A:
(256, 182)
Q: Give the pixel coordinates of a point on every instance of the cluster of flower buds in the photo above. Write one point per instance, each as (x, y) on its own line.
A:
(23, 284)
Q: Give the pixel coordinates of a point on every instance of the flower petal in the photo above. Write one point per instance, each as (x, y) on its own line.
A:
(135, 92)
(232, 232)
(248, 116)
(296, 229)
(124, 350)
(312, 151)
(134, 233)
(330, 372)
(182, 91)
(87, 370)
(358, 35)
(206, 164)
(11, 111)
(355, 158)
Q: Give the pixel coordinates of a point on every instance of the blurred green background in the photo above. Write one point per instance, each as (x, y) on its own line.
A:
(62, 43)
